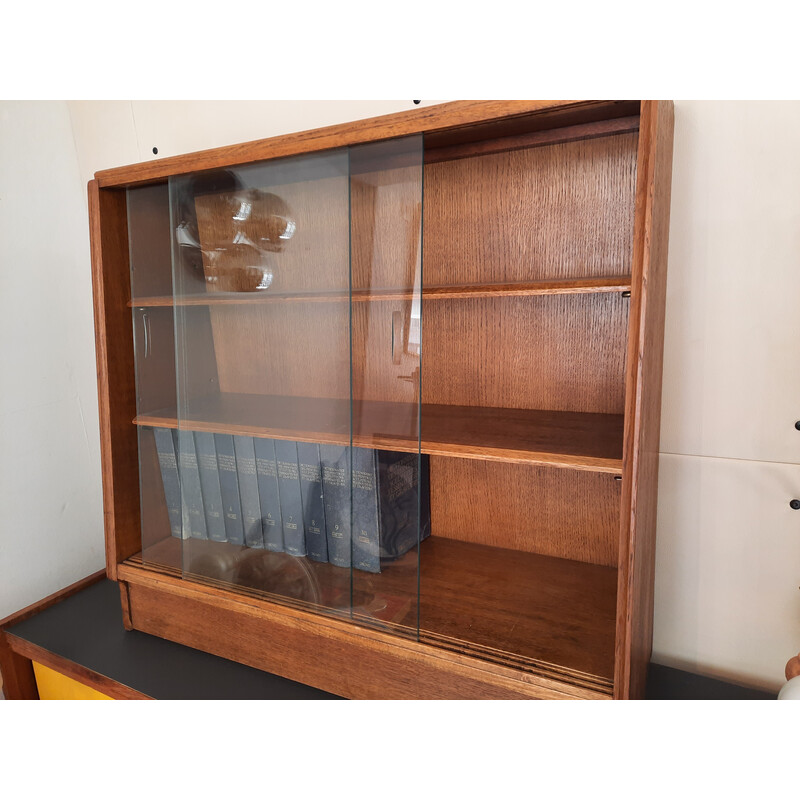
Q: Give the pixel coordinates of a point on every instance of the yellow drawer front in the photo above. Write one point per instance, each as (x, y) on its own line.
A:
(55, 686)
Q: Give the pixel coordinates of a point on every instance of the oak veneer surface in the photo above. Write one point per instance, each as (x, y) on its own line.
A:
(150, 240)
(565, 513)
(316, 258)
(643, 399)
(614, 283)
(582, 441)
(563, 211)
(465, 120)
(548, 615)
(561, 352)
(116, 390)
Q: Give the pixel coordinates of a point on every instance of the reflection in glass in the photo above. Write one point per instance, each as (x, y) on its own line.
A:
(228, 235)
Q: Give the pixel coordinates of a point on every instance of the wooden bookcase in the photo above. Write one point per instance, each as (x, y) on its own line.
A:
(543, 231)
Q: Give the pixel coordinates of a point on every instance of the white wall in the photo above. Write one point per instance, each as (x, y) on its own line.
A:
(728, 556)
(51, 523)
(728, 553)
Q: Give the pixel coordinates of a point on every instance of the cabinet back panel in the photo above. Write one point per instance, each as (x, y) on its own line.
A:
(554, 512)
(150, 241)
(293, 349)
(316, 258)
(555, 352)
(562, 211)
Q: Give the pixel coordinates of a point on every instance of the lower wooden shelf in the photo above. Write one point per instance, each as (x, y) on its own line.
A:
(545, 616)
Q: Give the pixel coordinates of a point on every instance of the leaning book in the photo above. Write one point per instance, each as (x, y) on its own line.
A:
(391, 505)
(168, 463)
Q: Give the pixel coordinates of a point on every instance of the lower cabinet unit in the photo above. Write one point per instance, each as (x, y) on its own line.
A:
(380, 402)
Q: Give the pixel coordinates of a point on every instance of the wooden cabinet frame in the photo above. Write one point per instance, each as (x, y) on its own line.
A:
(337, 656)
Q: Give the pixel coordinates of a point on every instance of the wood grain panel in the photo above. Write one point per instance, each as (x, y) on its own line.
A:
(386, 366)
(386, 213)
(552, 611)
(564, 352)
(508, 607)
(533, 138)
(150, 238)
(375, 664)
(643, 401)
(116, 388)
(292, 350)
(563, 513)
(614, 283)
(561, 438)
(473, 119)
(564, 211)
(317, 256)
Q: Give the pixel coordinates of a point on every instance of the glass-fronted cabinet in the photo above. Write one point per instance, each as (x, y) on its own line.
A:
(387, 384)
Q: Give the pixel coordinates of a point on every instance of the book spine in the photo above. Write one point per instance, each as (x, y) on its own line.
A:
(190, 484)
(267, 474)
(335, 462)
(168, 463)
(294, 541)
(312, 499)
(209, 483)
(248, 490)
(229, 488)
(403, 501)
(366, 544)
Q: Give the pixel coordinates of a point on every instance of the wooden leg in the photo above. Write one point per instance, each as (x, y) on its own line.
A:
(19, 682)
(126, 606)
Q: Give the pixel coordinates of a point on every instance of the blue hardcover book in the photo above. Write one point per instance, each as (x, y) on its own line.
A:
(311, 494)
(294, 540)
(366, 524)
(209, 483)
(248, 490)
(165, 447)
(267, 474)
(229, 488)
(335, 463)
(195, 518)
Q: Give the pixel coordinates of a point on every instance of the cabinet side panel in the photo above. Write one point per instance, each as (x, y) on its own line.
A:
(643, 400)
(115, 373)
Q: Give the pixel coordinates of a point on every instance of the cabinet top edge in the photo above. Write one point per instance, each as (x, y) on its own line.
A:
(428, 119)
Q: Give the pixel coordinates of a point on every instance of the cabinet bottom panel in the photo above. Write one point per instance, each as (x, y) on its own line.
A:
(329, 654)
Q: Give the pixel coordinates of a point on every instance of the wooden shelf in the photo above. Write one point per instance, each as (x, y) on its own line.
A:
(620, 283)
(559, 438)
(546, 615)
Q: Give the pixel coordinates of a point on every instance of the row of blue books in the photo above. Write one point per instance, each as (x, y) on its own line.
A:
(346, 506)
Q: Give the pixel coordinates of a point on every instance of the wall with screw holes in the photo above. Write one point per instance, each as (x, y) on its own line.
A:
(728, 555)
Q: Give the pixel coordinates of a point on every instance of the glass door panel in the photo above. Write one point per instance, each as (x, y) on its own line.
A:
(261, 269)
(389, 475)
(149, 238)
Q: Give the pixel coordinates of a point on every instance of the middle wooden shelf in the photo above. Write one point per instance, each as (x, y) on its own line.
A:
(617, 283)
(585, 441)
